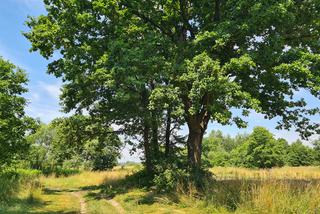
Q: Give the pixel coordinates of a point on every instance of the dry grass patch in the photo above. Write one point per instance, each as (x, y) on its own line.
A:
(299, 173)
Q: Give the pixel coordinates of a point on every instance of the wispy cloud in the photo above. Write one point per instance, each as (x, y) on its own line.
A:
(52, 90)
(30, 5)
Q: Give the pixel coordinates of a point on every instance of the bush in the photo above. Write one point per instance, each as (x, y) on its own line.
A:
(65, 172)
(13, 179)
(60, 171)
(169, 179)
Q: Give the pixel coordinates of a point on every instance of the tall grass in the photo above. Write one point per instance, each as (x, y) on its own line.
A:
(14, 180)
(299, 173)
(279, 190)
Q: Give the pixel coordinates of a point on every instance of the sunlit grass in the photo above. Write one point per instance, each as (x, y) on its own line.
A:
(236, 190)
(300, 173)
(83, 180)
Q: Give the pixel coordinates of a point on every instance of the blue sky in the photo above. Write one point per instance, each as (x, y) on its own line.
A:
(44, 89)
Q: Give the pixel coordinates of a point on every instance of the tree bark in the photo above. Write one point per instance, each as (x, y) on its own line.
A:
(154, 142)
(197, 127)
(195, 147)
(146, 146)
(217, 11)
(168, 133)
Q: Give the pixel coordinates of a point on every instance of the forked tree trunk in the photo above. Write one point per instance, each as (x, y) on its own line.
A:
(195, 148)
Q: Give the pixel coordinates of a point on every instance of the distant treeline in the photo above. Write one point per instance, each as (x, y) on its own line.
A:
(260, 149)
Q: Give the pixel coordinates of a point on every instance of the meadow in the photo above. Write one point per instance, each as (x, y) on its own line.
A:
(234, 190)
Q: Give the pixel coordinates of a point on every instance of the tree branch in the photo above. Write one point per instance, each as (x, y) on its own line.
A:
(184, 15)
(217, 11)
(148, 20)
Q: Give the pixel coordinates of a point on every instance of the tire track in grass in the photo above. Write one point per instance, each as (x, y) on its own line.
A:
(117, 206)
(83, 205)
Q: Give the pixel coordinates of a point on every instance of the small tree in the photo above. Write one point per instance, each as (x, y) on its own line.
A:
(300, 155)
(262, 150)
(41, 155)
(217, 148)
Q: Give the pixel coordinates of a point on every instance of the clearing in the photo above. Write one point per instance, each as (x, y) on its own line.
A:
(283, 190)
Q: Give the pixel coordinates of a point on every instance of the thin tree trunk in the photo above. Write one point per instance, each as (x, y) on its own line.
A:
(154, 141)
(217, 11)
(168, 133)
(146, 146)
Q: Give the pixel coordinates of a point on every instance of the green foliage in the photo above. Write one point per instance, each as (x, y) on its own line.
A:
(316, 148)
(257, 150)
(131, 62)
(100, 154)
(61, 171)
(300, 155)
(12, 180)
(169, 179)
(217, 148)
(262, 150)
(14, 124)
(71, 144)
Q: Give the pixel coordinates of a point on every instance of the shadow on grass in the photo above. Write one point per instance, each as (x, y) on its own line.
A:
(25, 206)
(49, 191)
(228, 193)
(21, 206)
(139, 180)
(112, 187)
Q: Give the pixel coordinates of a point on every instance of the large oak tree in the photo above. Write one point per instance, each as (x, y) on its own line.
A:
(200, 60)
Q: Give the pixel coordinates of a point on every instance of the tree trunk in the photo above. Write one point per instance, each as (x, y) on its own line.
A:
(195, 147)
(168, 133)
(146, 146)
(197, 128)
(154, 140)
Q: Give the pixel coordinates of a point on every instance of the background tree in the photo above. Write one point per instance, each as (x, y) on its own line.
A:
(75, 142)
(14, 124)
(262, 150)
(206, 57)
(41, 155)
(218, 148)
(316, 148)
(300, 155)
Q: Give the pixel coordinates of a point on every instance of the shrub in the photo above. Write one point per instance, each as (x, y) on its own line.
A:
(13, 179)
(169, 179)
(60, 171)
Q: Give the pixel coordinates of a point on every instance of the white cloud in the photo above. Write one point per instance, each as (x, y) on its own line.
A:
(34, 97)
(45, 113)
(30, 5)
(52, 90)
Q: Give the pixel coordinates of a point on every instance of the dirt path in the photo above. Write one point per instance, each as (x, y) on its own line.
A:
(83, 205)
(117, 206)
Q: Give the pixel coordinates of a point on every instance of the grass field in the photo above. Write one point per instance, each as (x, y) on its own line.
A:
(236, 190)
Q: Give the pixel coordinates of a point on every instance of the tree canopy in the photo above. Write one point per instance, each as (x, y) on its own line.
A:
(14, 124)
(135, 63)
